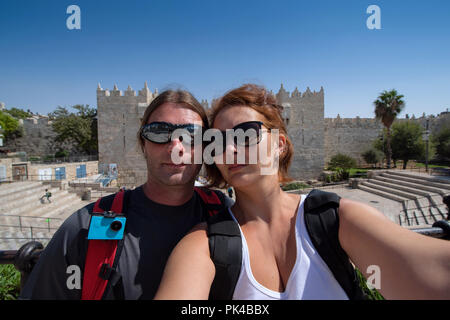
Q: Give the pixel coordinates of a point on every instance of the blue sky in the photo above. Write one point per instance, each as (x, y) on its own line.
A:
(211, 46)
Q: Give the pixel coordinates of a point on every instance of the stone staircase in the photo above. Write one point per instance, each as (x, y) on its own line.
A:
(420, 195)
(24, 217)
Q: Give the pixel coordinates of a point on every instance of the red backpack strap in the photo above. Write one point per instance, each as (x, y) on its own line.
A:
(100, 257)
(211, 199)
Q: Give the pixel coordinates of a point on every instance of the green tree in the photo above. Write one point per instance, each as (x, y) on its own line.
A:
(10, 126)
(79, 128)
(381, 144)
(18, 113)
(387, 107)
(407, 141)
(442, 142)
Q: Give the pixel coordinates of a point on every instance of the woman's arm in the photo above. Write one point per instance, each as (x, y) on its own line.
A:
(189, 271)
(412, 266)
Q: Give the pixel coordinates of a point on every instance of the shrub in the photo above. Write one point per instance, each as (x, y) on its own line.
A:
(294, 186)
(62, 154)
(372, 294)
(372, 156)
(341, 161)
(9, 282)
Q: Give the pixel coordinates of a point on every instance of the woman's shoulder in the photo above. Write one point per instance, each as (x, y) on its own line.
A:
(195, 240)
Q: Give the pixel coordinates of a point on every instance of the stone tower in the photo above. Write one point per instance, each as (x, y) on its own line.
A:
(304, 115)
(119, 117)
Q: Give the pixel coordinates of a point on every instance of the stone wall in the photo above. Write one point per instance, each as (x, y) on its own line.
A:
(349, 136)
(38, 138)
(352, 136)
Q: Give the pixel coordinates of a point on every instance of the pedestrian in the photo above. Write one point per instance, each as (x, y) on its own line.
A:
(47, 195)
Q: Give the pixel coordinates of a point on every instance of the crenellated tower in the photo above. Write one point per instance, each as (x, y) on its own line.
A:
(119, 117)
(304, 116)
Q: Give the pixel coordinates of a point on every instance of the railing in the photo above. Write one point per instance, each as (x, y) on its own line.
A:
(407, 215)
(43, 177)
(20, 219)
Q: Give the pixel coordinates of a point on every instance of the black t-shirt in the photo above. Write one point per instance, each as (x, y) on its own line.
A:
(152, 231)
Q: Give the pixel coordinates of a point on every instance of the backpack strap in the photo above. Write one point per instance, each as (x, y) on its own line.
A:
(103, 255)
(225, 247)
(213, 200)
(322, 222)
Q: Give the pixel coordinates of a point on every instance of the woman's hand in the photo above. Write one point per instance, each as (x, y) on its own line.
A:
(189, 271)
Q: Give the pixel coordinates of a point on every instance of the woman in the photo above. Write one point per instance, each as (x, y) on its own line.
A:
(278, 258)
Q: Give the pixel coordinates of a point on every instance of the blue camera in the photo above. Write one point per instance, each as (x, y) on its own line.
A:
(106, 227)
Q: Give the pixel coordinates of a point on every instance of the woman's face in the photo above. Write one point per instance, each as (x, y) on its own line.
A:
(258, 157)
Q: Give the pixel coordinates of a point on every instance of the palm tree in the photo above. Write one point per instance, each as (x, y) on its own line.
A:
(387, 107)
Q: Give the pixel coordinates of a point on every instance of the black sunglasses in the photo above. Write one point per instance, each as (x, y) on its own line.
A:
(161, 132)
(244, 134)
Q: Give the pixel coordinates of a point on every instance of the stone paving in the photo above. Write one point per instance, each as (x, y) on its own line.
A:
(389, 208)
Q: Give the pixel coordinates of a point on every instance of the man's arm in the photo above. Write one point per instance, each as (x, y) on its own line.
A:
(51, 277)
(189, 272)
(412, 266)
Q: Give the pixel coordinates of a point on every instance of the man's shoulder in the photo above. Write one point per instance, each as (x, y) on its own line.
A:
(78, 220)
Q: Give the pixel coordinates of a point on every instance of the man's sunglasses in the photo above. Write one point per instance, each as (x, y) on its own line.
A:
(244, 134)
(161, 132)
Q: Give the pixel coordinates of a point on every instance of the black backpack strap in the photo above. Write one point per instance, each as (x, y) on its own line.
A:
(322, 222)
(225, 247)
(213, 201)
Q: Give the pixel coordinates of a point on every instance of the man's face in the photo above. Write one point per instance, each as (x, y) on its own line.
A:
(160, 166)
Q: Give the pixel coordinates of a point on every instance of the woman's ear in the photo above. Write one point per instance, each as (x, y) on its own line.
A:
(281, 144)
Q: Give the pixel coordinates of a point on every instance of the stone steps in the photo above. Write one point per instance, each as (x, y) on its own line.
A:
(421, 196)
(392, 192)
(21, 210)
(34, 207)
(409, 190)
(400, 181)
(370, 189)
(30, 199)
(36, 190)
(17, 187)
(433, 182)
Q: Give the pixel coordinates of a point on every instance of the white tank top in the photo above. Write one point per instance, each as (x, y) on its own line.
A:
(310, 279)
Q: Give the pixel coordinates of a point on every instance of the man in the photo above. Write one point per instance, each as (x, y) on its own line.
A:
(159, 213)
(47, 195)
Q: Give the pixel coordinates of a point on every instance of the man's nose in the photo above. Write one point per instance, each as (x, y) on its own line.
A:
(176, 145)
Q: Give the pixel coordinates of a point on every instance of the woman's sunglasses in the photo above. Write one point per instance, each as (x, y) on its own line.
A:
(161, 132)
(244, 134)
